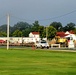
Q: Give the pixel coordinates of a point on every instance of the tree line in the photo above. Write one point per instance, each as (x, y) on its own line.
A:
(22, 29)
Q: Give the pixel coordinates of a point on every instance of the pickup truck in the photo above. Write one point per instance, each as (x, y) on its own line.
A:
(42, 44)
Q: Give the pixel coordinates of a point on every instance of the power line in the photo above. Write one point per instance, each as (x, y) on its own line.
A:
(47, 18)
(40, 19)
(21, 18)
(59, 16)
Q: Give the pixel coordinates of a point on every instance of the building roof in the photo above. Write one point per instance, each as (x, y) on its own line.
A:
(35, 32)
(61, 34)
(69, 32)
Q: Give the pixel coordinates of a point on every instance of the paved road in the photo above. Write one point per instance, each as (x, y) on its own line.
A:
(52, 49)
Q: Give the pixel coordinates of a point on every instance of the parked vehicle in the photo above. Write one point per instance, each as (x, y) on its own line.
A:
(2, 41)
(42, 44)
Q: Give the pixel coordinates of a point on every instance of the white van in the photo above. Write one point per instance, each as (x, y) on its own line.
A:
(42, 44)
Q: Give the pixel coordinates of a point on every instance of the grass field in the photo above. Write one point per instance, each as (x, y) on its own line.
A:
(37, 62)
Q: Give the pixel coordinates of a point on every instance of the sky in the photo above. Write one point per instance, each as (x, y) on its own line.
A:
(45, 11)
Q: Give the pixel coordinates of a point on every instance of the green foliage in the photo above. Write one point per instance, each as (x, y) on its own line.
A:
(51, 32)
(3, 28)
(41, 31)
(69, 27)
(74, 30)
(17, 33)
(35, 26)
(21, 26)
(3, 34)
(24, 29)
(57, 25)
(26, 32)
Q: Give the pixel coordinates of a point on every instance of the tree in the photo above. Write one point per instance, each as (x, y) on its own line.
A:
(51, 32)
(17, 33)
(69, 27)
(41, 31)
(35, 26)
(44, 33)
(24, 27)
(3, 34)
(21, 26)
(74, 30)
(26, 32)
(3, 28)
(57, 25)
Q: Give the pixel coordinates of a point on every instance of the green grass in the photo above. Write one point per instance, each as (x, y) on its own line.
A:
(37, 62)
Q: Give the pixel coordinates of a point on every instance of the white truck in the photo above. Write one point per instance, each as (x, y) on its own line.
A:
(42, 44)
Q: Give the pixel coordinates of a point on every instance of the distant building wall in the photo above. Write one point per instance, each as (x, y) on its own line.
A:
(34, 34)
(20, 39)
(33, 37)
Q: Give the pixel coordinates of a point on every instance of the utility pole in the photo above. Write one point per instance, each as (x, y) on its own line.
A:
(7, 31)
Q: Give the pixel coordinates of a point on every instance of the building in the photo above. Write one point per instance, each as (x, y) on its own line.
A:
(63, 36)
(34, 35)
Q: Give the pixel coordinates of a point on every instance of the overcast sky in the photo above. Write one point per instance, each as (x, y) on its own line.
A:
(44, 11)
